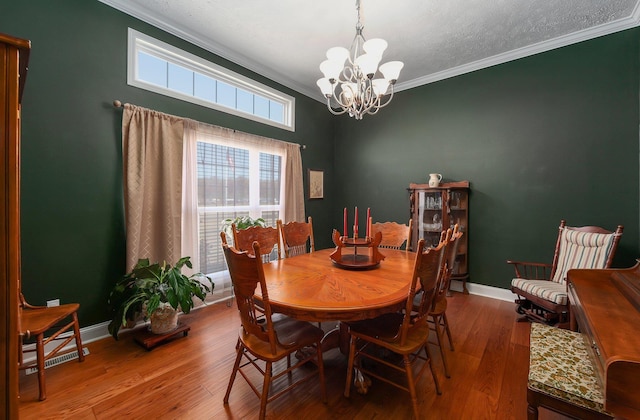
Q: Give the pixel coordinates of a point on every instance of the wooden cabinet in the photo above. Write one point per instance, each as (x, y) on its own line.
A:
(14, 54)
(436, 209)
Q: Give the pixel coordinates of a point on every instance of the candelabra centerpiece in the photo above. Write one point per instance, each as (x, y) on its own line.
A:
(346, 254)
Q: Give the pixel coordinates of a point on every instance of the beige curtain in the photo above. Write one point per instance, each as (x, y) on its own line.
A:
(293, 185)
(160, 182)
(152, 145)
(190, 224)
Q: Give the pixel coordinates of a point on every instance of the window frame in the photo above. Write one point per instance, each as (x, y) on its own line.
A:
(139, 42)
(254, 208)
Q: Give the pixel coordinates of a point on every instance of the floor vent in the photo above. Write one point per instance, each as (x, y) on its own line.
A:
(58, 360)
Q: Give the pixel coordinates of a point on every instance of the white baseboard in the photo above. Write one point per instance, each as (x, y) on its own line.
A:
(88, 334)
(99, 331)
(484, 290)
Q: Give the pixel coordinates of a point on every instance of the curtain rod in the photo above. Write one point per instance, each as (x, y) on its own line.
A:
(119, 104)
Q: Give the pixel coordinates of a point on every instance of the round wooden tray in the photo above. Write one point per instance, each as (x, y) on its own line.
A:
(356, 262)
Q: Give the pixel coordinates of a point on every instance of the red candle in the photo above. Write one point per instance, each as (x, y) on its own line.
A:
(344, 232)
(368, 221)
(355, 225)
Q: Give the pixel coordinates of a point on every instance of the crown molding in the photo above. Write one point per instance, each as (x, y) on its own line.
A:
(597, 31)
(210, 45)
(213, 47)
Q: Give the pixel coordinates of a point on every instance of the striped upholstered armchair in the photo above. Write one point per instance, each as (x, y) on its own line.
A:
(542, 288)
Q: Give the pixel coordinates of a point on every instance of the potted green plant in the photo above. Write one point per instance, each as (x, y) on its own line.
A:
(241, 222)
(156, 291)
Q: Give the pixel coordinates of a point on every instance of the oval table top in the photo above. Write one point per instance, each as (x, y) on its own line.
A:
(311, 287)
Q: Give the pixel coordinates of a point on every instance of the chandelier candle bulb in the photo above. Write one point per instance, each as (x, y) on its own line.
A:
(391, 70)
(375, 46)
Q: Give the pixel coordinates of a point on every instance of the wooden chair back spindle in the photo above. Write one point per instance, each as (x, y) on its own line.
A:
(296, 237)
(267, 237)
(394, 235)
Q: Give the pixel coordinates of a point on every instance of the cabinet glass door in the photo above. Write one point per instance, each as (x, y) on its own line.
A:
(430, 217)
(436, 209)
(458, 214)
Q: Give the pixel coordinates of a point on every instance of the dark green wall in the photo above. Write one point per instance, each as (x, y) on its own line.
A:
(542, 138)
(73, 239)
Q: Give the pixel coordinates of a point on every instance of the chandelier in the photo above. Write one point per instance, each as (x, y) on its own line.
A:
(354, 73)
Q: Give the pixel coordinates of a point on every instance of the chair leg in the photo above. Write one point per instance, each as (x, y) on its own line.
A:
(236, 366)
(412, 385)
(323, 387)
(352, 356)
(436, 322)
(446, 326)
(76, 331)
(40, 362)
(265, 390)
(433, 372)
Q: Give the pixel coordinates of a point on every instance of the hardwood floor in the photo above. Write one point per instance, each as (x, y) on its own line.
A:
(187, 378)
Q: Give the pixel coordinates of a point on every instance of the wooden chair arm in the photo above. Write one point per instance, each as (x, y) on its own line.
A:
(531, 270)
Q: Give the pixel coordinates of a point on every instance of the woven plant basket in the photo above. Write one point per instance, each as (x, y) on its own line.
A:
(164, 320)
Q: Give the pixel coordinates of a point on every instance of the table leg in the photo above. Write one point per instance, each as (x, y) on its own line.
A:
(338, 337)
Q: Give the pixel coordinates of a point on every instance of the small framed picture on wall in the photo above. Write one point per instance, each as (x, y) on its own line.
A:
(316, 184)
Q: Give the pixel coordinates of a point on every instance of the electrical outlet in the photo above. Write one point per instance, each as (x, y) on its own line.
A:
(52, 303)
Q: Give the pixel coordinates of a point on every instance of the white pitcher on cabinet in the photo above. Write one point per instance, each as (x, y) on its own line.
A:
(434, 180)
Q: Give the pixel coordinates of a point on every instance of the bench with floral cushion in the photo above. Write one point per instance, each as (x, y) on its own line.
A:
(562, 376)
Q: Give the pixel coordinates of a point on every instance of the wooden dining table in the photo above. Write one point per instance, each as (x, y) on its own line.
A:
(311, 287)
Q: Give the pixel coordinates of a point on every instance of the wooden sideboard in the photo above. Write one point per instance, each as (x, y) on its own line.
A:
(605, 307)
(14, 56)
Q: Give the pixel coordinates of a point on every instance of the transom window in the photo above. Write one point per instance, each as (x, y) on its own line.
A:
(159, 67)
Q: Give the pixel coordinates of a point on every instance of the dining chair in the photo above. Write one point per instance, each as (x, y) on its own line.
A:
(268, 339)
(297, 237)
(394, 235)
(438, 314)
(34, 322)
(267, 237)
(403, 333)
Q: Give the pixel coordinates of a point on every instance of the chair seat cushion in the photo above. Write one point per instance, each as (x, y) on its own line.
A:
(544, 289)
(384, 331)
(384, 327)
(560, 366)
(290, 333)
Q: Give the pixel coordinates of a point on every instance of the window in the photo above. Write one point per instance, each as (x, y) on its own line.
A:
(164, 69)
(234, 180)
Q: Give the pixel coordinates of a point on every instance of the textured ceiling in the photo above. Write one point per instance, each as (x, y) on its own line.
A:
(285, 40)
